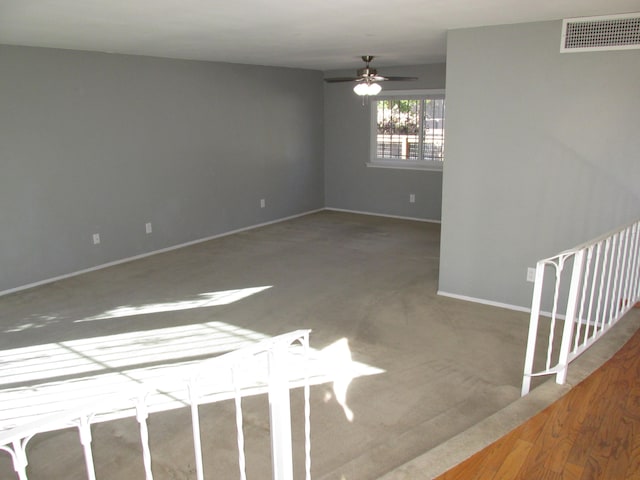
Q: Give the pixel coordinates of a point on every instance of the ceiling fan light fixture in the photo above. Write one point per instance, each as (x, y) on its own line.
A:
(364, 88)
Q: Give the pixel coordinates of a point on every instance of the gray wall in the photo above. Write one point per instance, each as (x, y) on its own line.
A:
(350, 184)
(94, 142)
(542, 154)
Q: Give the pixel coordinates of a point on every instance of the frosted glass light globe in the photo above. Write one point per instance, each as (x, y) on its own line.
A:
(367, 89)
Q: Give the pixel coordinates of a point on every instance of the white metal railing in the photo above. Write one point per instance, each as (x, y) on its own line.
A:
(593, 286)
(271, 366)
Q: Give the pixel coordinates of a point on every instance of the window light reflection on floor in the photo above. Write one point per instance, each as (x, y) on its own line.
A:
(202, 300)
(102, 354)
(211, 299)
(44, 379)
(107, 353)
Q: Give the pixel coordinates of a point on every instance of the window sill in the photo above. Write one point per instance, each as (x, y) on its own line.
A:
(405, 165)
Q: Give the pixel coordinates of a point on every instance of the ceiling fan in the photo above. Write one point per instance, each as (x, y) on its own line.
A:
(367, 79)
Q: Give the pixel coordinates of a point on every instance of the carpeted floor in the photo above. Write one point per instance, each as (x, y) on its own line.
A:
(447, 363)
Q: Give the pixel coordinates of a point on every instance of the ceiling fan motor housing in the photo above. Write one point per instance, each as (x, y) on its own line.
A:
(367, 72)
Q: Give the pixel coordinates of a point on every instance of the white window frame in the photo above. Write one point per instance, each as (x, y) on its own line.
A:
(374, 161)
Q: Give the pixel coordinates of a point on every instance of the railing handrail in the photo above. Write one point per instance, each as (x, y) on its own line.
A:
(592, 242)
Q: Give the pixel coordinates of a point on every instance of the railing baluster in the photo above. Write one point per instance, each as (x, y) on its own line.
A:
(18, 454)
(610, 279)
(21, 456)
(307, 410)
(554, 311)
(534, 320)
(582, 322)
(615, 303)
(606, 281)
(636, 290)
(601, 293)
(280, 415)
(242, 462)
(84, 428)
(621, 304)
(635, 284)
(195, 424)
(141, 415)
(592, 293)
(629, 265)
(633, 250)
(572, 303)
(593, 316)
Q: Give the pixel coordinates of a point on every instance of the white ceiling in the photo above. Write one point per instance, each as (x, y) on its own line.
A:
(316, 34)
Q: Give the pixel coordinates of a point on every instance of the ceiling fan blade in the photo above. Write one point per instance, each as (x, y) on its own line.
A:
(376, 78)
(396, 79)
(342, 79)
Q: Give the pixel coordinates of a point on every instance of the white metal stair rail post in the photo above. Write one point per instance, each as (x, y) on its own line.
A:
(280, 412)
(604, 285)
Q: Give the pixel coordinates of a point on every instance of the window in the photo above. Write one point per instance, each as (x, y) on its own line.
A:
(407, 130)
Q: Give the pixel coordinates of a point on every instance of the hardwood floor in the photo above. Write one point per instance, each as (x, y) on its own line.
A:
(593, 432)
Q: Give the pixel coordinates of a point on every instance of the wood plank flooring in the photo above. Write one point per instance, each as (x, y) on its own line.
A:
(591, 433)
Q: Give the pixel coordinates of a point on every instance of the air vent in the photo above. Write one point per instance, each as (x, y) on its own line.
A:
(610, 32)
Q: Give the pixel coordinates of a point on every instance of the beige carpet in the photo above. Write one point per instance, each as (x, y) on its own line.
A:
(447, 363)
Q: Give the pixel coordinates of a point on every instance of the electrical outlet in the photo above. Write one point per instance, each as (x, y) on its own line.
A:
(96, 238)
(147, 227)
(412, 198)
(263, 203)
(531, 274)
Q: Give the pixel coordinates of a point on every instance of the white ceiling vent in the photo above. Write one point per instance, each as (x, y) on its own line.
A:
(610, 32)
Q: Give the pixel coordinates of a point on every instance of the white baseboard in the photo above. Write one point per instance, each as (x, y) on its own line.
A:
(543, 313)
(154, 252)
(381, 215)
(517, 308)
